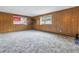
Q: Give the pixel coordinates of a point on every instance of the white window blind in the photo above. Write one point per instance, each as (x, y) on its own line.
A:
(47, 19)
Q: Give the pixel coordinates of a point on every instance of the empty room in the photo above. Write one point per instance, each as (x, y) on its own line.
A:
(39, 29)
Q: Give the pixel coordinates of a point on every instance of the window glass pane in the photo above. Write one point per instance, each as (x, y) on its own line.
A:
(46, 19)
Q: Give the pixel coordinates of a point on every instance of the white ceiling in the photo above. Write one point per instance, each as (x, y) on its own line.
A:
(32, 10)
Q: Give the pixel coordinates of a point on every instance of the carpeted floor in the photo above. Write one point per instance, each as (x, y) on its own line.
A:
(36, 42)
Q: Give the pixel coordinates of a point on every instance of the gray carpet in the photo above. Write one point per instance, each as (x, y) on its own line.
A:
(36, 42)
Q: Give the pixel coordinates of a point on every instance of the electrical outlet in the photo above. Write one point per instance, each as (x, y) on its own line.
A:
(60, 31)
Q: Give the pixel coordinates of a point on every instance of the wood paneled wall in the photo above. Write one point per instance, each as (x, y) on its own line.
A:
(6, 23)
(63, 22)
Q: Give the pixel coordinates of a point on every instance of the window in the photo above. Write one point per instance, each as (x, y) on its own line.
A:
(46, 19)
(20, 20)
